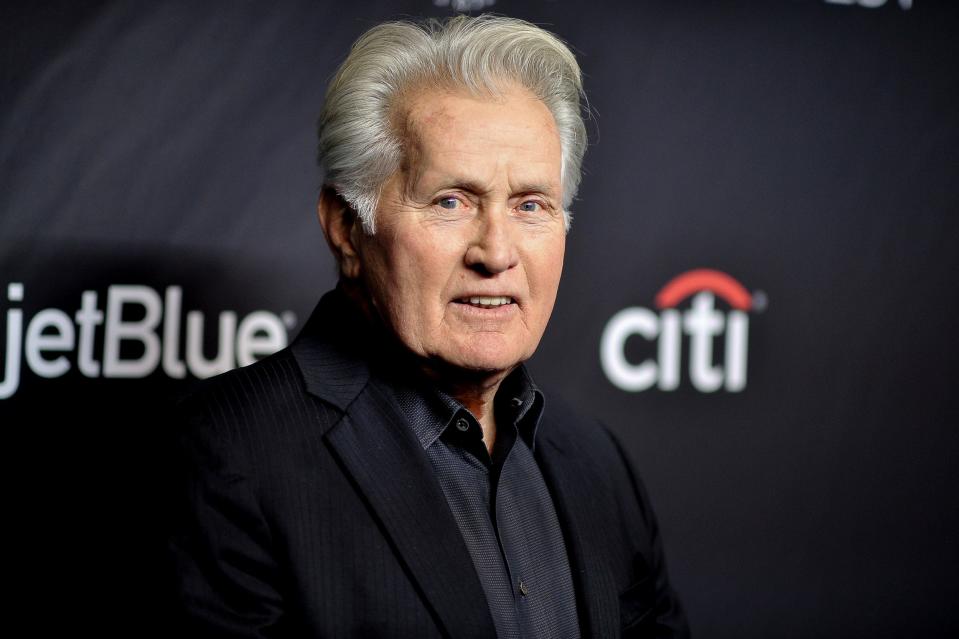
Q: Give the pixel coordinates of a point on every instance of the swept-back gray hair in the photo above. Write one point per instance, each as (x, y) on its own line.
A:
(359, 148)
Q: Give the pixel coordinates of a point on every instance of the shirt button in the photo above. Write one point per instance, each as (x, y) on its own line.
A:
(523, 590)
(462, 424)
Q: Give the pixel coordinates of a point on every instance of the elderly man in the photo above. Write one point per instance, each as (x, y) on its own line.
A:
(395, 472)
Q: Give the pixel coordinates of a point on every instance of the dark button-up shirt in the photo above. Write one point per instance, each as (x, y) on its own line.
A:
(500, 502)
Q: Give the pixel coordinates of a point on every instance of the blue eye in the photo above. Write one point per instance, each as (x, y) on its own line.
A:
(530, 206)
(449, 203)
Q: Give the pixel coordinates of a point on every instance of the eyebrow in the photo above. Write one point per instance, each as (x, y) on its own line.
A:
(462, 184)
(536, 187)
(475, 187)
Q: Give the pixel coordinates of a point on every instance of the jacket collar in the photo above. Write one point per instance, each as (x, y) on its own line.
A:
(330, 351)
(391, 470)
(389, 466)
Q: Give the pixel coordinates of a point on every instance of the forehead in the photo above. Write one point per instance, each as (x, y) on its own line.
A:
(446, 131)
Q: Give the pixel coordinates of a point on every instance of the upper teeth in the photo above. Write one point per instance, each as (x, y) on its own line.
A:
(490, 301)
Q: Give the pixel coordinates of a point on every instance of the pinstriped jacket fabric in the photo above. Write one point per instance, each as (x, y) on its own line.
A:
(308, 509)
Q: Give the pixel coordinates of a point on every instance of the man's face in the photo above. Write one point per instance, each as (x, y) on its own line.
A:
(468, 251)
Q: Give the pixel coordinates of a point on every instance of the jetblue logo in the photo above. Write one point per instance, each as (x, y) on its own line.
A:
(53, 341)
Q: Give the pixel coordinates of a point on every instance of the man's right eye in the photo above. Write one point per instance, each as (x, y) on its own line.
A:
(449, 203)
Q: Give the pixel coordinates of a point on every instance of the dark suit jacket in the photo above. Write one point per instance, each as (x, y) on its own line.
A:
(310, 510)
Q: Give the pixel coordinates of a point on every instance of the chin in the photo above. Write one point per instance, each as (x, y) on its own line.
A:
(487, 365)
(488, 360)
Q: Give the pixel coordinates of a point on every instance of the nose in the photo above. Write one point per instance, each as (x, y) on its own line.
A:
(493, 249)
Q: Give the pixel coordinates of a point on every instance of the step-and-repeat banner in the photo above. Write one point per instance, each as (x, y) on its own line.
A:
(760, 291)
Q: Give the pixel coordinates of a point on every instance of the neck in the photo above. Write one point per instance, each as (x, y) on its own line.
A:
(475, 390)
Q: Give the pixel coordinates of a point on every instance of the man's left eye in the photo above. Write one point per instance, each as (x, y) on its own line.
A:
(530, 206)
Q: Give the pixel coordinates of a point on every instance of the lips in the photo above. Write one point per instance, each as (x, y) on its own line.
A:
(486, 301)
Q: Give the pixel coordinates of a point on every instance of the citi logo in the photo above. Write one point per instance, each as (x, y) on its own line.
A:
(702, 322)
(52, 334)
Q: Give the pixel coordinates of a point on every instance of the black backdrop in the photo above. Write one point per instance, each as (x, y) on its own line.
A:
(151, 152)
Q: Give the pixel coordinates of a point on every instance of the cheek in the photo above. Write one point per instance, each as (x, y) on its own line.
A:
(382, 273)
(548, 269)
(558, 258)
(408, 278)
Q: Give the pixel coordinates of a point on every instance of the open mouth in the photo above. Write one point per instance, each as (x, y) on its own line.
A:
(486, 302)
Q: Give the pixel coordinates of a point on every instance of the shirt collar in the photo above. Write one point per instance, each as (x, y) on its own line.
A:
(430, 411)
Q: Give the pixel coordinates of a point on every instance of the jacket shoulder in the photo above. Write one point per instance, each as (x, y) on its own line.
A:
(257, 388)
(574, 431)
(263, 409)
(599, 452)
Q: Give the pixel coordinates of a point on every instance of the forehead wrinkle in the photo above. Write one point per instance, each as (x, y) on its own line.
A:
(456, 168)
(428, 135)
(425, 126)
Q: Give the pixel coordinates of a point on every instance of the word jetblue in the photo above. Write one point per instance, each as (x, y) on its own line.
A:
(52, 333)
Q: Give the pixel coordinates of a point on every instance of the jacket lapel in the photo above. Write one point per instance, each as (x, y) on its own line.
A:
(391, 469)
(568, 478)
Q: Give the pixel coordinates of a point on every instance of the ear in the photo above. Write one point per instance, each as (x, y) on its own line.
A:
(340, 223)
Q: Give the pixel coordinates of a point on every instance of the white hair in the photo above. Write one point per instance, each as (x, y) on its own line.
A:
(359, 148)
